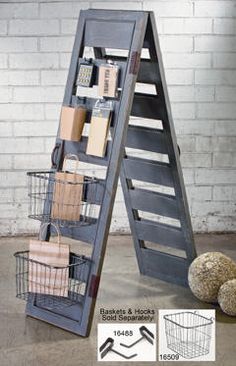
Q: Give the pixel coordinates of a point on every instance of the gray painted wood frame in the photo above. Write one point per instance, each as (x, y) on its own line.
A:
(129, 30)
(97, 29)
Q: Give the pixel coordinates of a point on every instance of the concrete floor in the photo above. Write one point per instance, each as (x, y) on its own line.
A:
(30, 342)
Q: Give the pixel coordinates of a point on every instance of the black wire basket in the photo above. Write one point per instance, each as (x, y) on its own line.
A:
(51, 287)
(65, 203)
(188, 333)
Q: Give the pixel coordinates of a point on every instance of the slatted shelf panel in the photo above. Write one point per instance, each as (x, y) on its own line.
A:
(145, 138)
(147, 203)
(148, 171)
(165, 266)
(154, 202)
(148, 106)
(160, 233)
(147, 73)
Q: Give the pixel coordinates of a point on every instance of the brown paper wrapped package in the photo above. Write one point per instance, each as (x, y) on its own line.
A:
(72, 123)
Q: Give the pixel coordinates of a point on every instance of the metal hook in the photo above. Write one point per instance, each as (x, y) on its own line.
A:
(145, 333)
(107, 346)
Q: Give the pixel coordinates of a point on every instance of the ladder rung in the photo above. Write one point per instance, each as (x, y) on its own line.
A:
(79, 148)
(84, 233)
(148, 171)
(149, 72)
(165, 266)
(146, 138)
(109, 34)
(148, 106)
(159, 233)
(154, 202)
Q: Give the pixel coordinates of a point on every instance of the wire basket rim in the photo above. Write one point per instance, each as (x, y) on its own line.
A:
(209, 321)
(20, 254)
(42, 174)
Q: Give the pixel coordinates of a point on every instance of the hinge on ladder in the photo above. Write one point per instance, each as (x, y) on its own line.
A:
(134, 63)
(93, 288)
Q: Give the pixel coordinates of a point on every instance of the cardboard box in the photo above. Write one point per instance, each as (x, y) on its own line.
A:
(72, 123)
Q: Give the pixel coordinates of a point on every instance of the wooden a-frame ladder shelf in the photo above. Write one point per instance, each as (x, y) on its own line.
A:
(132, 31)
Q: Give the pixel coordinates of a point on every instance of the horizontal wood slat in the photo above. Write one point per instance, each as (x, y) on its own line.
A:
(79, 148)
(165, 266)
(84, 233)
(148, 106)
(160, 234)
(148, 171)
(149, 72)
(110, 34)
(145, 138)
(154, 202)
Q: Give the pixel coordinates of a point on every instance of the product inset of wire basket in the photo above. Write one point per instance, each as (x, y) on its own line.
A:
(56, 199)
(60, 287)
(188, 333)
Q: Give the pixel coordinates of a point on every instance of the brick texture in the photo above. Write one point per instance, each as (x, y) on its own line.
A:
(198, 42)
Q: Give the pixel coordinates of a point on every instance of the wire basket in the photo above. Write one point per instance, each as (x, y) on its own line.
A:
(65, 203)
(59, 287)
(188, 333)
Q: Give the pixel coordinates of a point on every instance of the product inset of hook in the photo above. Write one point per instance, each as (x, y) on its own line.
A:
(145, 333)
(107, 346)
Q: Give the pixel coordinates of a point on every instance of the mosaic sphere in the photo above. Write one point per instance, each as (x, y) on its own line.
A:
(227, 297)
(208, 272)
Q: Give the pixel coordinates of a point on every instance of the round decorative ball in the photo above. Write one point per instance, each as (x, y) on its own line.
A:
(227, 297)
(208, 272)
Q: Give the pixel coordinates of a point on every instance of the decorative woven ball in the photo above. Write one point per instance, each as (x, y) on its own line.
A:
(208, 272)
(227, 297)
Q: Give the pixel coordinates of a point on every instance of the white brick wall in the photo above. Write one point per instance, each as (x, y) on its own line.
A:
(198, 40)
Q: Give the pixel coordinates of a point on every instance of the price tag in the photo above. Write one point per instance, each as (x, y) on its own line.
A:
(107, 80)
